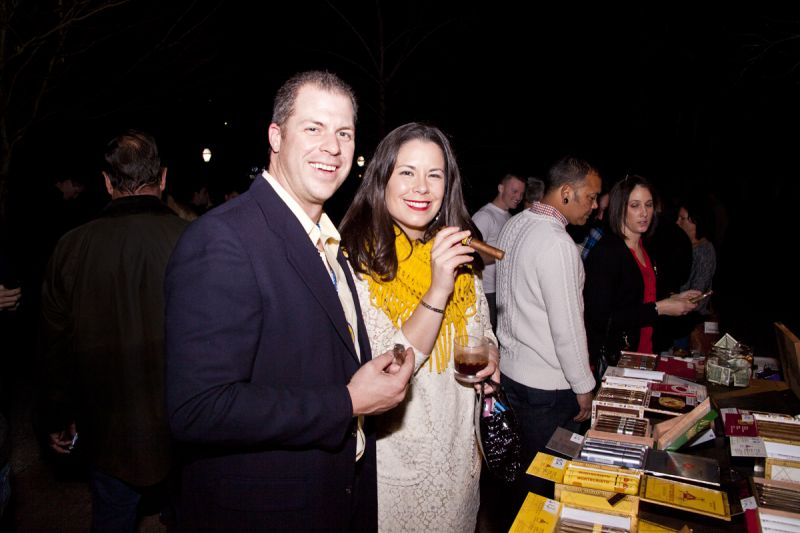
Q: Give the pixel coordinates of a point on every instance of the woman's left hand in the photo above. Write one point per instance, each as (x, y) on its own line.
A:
(491, 371)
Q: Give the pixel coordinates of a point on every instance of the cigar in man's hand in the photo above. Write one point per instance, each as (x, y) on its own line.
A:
(482, 247)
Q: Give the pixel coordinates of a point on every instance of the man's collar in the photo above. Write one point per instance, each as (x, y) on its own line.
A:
(313, 230)
(549, 211)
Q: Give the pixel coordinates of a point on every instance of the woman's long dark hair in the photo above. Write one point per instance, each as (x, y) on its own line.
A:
(367, 228)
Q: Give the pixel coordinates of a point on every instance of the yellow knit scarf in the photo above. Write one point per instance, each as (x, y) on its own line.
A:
(399, 297)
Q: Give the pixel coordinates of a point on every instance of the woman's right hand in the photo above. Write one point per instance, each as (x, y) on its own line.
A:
(447, 255)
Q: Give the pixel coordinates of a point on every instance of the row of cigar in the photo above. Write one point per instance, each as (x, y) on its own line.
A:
(632, 397)
(636, 361)
(569, 525)
(784, 499)
(778, 430)
(622, 425)
(611, 452)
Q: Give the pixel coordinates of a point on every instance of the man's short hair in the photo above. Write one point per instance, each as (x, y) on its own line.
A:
(287, 94)
(534, 190)
(132, 162)
(568, 170)
(509, 177)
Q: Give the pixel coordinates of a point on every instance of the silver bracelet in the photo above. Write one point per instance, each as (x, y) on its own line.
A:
(432, 308)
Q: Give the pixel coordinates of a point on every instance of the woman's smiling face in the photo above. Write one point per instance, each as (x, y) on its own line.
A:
(416, 187)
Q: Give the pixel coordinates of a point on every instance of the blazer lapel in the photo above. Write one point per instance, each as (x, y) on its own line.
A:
(303, 256)
(362, 337)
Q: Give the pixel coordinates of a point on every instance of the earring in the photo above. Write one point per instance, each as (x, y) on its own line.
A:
(565, 200)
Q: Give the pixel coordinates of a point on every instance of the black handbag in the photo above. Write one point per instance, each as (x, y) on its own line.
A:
(497, 431)
(614, 343)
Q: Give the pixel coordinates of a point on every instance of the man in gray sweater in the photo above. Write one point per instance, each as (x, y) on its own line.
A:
(544, 358)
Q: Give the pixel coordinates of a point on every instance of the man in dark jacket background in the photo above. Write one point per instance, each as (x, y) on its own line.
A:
(103, 307)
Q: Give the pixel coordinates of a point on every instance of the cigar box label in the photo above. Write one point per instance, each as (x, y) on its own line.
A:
(680, 390)
(548, 467)
(748, 447)
(740, 425)
(601, 521)
(773, 522)
(576, 438)
(748, 503)
(685, 496)
(670, 403)
(780, 419)
(537, 515)
(597, 503)
(781, 450)
(781, 470)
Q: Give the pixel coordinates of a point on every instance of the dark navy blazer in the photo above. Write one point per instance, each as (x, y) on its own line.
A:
(258, 358)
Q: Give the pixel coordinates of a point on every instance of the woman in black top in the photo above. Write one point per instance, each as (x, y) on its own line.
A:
(618, 307)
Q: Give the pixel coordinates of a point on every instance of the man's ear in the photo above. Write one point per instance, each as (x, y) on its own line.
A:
(109, 188)
(163, 184)
(274, 135)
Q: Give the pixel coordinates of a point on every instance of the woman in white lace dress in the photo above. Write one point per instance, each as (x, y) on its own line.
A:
(418, 287)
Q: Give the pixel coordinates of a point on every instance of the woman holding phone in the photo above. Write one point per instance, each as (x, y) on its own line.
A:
(620, 289)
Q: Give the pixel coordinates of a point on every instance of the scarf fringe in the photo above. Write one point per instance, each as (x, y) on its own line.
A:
(399, 297)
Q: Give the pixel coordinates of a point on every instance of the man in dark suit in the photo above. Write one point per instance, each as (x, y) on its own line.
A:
(269, 370)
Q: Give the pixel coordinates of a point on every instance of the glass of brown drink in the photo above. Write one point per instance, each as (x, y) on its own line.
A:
(471, 356)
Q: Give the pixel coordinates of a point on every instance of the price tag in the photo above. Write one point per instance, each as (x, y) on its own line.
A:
(551, 506)
(558, 462)
(577, 439)
(749, 503)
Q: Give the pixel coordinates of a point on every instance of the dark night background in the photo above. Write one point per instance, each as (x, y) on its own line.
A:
(699, 100)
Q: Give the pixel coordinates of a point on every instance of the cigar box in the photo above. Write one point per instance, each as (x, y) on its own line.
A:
(537, 515)
(637, 360)
(684, 496)
(674, 433)
(616, 452)
(785, 470)
(683, 467)
(605, 501)
(668, 403)
(776, 495)
(602, 477)
(579, 520)
(773, 521)
(622, 399)
(565, 442)
(683, 367)
(778, 429)
(630, 439)
(601, 501)
(548, 467)
(678, 384)
(740, 424)
(615, 372)
(623, 426)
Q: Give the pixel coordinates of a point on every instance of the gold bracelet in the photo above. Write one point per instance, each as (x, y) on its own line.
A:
(432, 308)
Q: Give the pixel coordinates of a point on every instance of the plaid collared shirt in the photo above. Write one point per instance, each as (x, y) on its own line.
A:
(595, 234)
(549, 211)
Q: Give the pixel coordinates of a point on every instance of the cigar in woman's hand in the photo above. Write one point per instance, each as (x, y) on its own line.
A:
(482, 247)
